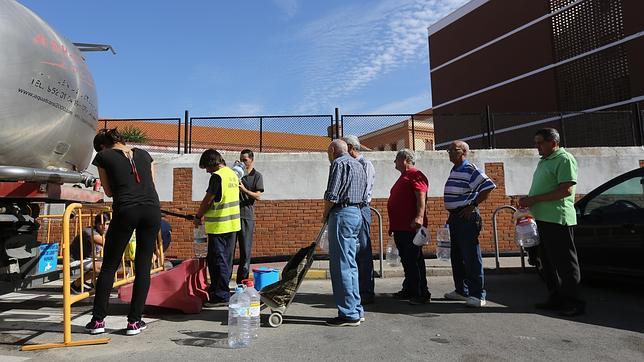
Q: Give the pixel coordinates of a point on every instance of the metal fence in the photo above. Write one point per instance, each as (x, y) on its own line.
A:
(261, 133)
(617, 127)
(380, 132)
(153, 134)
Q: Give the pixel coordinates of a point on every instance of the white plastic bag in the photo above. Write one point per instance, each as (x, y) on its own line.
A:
(324, 240)
(422, 237)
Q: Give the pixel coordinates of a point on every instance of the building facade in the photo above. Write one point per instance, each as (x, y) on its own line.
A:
(500, 69)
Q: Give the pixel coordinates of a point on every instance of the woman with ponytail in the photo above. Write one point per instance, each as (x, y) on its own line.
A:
(127, 176)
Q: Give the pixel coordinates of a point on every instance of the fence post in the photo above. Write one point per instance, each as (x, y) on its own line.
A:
(413, 134)
(337, 123)
(185, 132)
(261, 128)
(488, 121)
(179, 137)
(564, 143)
(639, 127)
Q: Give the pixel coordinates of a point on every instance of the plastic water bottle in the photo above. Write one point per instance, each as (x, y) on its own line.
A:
(200, 242)
(444, 243)
(239, 335)
(525, 230)
(324, 239)
(254, 306)
(392, 256)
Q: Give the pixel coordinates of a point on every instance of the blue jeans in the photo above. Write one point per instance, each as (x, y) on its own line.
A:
(413, 261)
(344, 226)
(365, 256)
(467, 265)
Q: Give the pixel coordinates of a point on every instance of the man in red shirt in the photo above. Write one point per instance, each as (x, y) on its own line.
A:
(406, 209)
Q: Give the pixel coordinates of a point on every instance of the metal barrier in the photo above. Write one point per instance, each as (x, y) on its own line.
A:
(382, 273)
(68, 299)
(496, 238)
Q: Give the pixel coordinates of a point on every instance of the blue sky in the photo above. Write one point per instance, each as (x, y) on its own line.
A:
(253, 57)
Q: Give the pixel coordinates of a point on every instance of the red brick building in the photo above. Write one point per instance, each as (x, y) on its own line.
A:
(534, 60)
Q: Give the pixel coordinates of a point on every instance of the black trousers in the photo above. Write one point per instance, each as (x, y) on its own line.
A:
(220, 249)
(146, 221)
(559, 259)
(245, 241)
(413, 261)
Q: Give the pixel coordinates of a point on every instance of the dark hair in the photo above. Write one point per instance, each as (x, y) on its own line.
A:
(107, 138)
(548, 134)
(211, 158)
(248, 152)
(101, 218)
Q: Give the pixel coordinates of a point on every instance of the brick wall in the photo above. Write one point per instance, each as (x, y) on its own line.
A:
(284, 226)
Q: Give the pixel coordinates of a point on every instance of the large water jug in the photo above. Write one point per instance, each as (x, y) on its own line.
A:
(255, 304)
(239, 334)
(200, 242)
(392, 256)
(444, 243)
(525, 230)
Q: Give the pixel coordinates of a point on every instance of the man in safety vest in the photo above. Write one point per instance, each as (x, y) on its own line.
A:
(220, 211)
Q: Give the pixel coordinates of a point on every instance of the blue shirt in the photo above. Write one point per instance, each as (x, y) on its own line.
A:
(347, 181)
(371, 175)
(464, 184)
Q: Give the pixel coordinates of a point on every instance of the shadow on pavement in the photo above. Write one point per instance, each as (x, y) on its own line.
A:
(608, 306)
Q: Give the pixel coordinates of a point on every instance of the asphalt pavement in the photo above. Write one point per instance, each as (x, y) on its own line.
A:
(507, 329)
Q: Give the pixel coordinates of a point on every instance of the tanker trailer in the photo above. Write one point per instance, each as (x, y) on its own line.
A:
(48, 118)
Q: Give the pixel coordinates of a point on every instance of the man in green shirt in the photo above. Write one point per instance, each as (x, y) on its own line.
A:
(551, 201)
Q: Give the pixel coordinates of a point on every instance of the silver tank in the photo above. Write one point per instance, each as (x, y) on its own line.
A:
(48, 106)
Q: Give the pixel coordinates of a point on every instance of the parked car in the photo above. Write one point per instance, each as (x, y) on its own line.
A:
(610, 228)
(609, 235)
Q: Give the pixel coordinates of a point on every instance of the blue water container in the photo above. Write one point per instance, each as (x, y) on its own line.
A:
(264, 276)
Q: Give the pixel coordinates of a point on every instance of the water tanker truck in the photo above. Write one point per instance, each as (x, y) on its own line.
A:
(48, 118)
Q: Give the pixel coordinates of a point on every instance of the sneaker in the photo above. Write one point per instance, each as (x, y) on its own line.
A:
(95, 326)
(343, 322)
(401, 295)
(455, 296)
(134, 328)
(475, 302)
(419, 300)
(362, 319)
(75, 289)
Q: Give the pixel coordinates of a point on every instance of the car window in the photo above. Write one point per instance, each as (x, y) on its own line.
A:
(623, 197)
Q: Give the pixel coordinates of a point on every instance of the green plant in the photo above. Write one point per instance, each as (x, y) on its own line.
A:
(134, 134)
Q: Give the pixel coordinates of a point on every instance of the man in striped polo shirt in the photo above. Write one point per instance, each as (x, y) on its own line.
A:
(465, 189)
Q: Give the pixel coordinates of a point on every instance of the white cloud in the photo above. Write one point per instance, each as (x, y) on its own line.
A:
(289, 7)
(413, 104)
(358, 44)
(246, 109)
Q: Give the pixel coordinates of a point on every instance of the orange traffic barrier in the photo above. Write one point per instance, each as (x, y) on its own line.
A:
(124, 276)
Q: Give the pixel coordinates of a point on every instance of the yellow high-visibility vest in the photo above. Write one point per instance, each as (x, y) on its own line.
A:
(223, 216)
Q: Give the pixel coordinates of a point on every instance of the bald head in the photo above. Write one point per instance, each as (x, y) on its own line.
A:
(336, 149)
(462, 145)
(458, 151)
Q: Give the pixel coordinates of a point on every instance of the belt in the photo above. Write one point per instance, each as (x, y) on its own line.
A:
(348, 204)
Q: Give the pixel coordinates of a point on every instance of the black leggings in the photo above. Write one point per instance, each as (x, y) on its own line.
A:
(146, 221)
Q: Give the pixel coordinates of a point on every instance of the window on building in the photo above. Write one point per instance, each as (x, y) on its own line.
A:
(394, 146)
